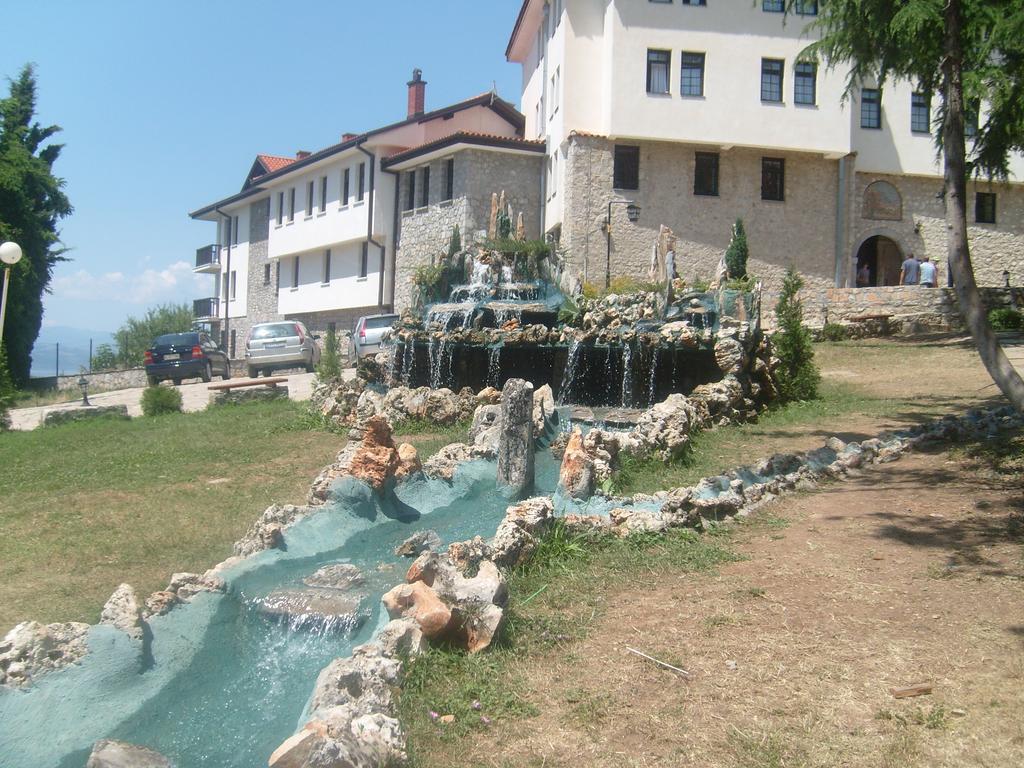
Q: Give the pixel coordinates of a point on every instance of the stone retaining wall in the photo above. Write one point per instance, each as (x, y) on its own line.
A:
(913, 309)
(103, 380)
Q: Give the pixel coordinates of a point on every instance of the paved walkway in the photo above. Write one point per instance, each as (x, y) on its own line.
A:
(194, 397)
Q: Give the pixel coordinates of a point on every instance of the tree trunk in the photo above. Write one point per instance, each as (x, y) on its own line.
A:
(975, 317)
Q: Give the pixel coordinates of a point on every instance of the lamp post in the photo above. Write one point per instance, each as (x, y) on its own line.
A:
(10, 254)
(83, 384)
(633, 214)
(1006, 277)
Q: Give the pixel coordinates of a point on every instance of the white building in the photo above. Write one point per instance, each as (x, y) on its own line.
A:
(316, 237)
(701, 112)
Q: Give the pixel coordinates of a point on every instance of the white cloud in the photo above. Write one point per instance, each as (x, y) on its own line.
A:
(174, 283)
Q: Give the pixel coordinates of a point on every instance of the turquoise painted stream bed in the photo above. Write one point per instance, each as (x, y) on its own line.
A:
(222, 685)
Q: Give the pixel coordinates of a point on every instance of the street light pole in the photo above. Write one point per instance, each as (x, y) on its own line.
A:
(10, 254)
(633, 213)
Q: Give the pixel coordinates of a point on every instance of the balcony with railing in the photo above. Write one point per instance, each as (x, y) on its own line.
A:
(206, 309)
(208, 259)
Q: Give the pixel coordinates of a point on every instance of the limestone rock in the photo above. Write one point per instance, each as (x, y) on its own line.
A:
(363, 679)
(486, 428)
(297, 750)
(576, 475)
(188, 585)
(420, 541)
(466, 555)
(519, 532)
(376, 458)
(730, 356)
(120, 754)
(159, 603)
(446, 461)
(401, 637)
(543, 408)
(664, 429)
(488, 396)
(122, 612)
(515, 446)
(480, 626)
(340, 576)
(418, 601)
(408, 462)
(268, 531)
(31, 649)
(627, 521)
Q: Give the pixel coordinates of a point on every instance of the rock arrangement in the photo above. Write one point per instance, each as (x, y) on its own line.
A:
(371, 456)
(515, 437)
(347, 403)
(120, 754)
(66, 415)
(32, 649)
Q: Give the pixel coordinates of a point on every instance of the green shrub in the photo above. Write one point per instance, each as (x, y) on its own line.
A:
(105, 358)
(742, 284)
(700, 284)
(159, 400)
(1005, 319)
(833, 332)
(797, 376)
(736, 254)
(330, 361)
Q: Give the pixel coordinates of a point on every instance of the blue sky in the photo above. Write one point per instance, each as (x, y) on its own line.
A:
(165, 105)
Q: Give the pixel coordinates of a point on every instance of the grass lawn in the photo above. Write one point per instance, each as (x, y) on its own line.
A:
(87, 506)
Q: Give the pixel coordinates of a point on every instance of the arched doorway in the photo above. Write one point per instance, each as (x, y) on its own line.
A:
(883, 258)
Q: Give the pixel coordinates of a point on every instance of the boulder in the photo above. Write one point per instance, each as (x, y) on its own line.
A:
(122, 612)
(486, 428)
(730, 356)
(627, 521)
(363, 680)
(401, 637)
(445, 462)
(519, 532)
(120, 754)
(340, 576)
(159, 603)
(421, 541)
(297, 750)
(418, 601)
(515, 446)
(488, 396)
(543, 408)
(187, 585)
(375, 459)
(576, 475)
(664, 429)
(408, 462)
(467, 555)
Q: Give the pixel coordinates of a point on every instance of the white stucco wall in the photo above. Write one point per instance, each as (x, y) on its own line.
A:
(345, 289)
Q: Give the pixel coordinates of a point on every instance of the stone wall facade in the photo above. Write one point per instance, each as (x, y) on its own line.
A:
(101, 381)
(800, 231)
(261, 306)
(425, 232)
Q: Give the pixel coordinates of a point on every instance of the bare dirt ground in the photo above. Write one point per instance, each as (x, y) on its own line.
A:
(909, 573)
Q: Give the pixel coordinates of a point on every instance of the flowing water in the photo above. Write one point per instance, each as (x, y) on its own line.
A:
(569, 374)
(222, 684)
(627, 375)
(494, 366)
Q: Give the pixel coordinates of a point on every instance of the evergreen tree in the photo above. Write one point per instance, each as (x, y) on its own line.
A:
(971, 52)
(455, 244)
(32, 202)
(797, 376)
(330, 360)
(736, 254)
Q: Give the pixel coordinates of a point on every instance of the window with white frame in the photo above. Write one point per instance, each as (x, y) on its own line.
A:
(295, 273)
(361, 192)
(309, 198)
(773, 6)
(323, 194)
(291, 205)
(364, 259)
(327, 266)
(806, 7)
(280, 208)
(346, 181)
(449, 179)
(425, 186)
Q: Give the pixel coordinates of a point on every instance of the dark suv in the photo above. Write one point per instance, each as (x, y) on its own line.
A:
(178, 356)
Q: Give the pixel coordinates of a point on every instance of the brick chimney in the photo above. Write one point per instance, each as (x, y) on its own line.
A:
(348, 136)
(302, 154)
(417, 93)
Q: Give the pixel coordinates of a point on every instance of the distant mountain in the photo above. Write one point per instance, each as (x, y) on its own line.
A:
(73, 353)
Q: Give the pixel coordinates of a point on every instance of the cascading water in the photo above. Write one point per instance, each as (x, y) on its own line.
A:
(627, 374)
(494, 366)
(653, 378)
(569, 374)
(408, 362)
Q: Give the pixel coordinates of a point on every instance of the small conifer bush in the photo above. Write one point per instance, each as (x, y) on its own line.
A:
(330, 360)
(159, 400)
(797, 376)
(737, 252)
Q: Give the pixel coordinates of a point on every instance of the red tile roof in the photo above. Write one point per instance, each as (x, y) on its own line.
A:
(274, 162)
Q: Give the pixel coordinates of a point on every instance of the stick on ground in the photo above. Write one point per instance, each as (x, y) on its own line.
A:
(657, 661)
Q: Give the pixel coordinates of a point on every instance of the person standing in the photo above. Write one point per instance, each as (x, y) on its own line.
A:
(910, 271)
(929, 274)
(863, 275)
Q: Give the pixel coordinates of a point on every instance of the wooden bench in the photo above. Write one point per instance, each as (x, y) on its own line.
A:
(269, 381)
(881, 319)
